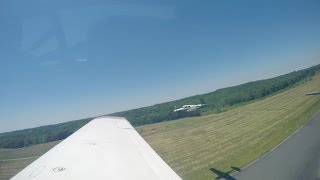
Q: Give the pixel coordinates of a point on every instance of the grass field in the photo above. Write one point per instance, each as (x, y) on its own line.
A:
(14, 160)
(192, 146)
(234, 138)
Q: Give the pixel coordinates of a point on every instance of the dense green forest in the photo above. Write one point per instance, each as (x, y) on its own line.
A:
(42, 134)
(216, 101)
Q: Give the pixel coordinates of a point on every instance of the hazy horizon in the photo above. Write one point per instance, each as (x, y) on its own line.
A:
(67, 61)
(168, 100)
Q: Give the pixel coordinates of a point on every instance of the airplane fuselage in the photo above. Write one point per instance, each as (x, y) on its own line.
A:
(189, 107)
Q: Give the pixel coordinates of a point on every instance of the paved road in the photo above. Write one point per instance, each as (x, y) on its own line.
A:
(298, 158)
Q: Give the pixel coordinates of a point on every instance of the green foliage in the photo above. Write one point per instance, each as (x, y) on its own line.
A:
(192, 146)
(217, 101)
(42, 134)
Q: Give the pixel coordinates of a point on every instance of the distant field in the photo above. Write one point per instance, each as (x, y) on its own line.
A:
(192, 146)
(14, 160)
(234, 138)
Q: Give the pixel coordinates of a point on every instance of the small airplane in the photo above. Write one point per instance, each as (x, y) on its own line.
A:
(189, 107)
(313, 93)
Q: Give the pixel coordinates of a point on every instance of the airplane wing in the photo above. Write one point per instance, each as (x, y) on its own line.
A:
(313, 93)
(192, 109)
(106, 148)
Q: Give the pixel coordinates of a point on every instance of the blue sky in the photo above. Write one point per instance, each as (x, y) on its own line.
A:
(65, 60)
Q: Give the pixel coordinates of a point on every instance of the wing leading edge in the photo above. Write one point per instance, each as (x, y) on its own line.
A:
(105, 148)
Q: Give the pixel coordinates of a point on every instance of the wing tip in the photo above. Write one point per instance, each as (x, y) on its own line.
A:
(111, 117)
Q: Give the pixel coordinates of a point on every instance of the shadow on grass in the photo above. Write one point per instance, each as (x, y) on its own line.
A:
(225, 175)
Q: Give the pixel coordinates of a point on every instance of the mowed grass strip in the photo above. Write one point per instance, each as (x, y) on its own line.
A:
(192, 146)
(13, 161)
(9, 168)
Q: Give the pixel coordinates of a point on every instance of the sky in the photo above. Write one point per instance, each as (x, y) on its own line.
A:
(64, 60)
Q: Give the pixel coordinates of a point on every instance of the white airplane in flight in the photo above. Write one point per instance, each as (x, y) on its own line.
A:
(189, 107)
(105, 148)
(313, 93)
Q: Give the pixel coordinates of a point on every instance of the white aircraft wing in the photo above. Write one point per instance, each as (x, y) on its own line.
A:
(107, 148)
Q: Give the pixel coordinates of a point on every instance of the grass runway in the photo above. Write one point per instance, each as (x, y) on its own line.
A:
(193, 146)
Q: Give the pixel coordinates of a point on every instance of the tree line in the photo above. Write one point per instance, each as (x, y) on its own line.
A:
(216, 101)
